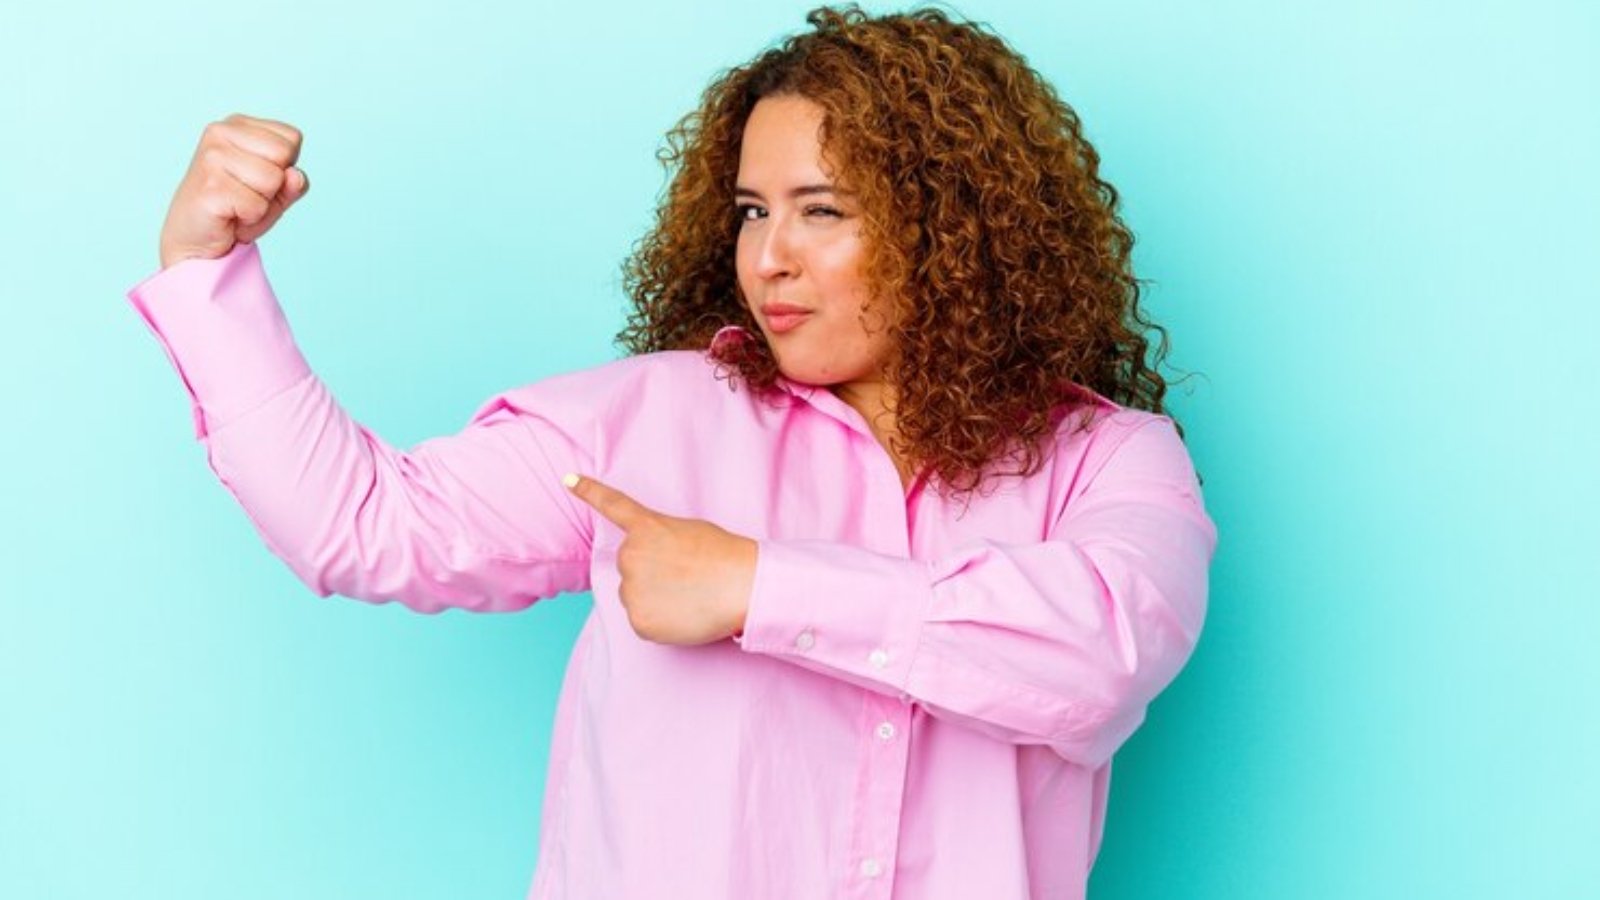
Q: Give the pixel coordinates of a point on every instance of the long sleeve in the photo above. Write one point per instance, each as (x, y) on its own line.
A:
(1061, 642)
(477, 519)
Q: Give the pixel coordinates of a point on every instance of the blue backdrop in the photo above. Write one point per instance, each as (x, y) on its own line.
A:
(1369, 226)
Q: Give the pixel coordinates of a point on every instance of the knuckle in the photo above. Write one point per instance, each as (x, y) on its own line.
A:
(215, 205)
(641, 621)
(280, 152)
(214, 184)
(253, 208)
(217, 132)
(211, 157)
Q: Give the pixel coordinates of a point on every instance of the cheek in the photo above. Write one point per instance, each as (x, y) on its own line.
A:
(742, 270)
(840, 269)
(841, 254)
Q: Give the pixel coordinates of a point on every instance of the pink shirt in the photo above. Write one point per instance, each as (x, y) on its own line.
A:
(926, 698)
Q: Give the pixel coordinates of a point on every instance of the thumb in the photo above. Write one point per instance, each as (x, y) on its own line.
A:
(295, 184)
(622, 510)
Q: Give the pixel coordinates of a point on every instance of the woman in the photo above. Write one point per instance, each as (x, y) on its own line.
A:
(889, 539)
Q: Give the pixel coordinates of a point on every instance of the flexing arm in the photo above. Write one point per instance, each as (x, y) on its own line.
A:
(478, 519)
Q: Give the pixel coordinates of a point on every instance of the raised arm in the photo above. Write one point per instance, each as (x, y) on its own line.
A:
(478, 519)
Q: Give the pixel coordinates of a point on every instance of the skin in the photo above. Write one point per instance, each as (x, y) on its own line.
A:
(241, 180)
(684, 581)
(800, 243)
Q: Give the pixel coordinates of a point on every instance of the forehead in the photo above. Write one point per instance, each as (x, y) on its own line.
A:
(782, 142)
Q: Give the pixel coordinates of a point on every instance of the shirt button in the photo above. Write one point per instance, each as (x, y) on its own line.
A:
(879, 659)
(886, 731)
(805, 640)
(871, 868)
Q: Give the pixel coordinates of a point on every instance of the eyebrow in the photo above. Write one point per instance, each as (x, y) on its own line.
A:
(802, 191)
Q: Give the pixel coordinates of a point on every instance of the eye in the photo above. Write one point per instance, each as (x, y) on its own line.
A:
(821, 210)
(745, 210)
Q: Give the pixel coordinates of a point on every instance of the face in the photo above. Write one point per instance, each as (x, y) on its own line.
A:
(800, 254)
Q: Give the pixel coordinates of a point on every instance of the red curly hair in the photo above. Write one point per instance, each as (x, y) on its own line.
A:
(985, 223)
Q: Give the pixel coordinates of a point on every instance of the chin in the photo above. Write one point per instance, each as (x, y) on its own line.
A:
(821, 369)
(802, 375)
(814, 374)
(798, 370)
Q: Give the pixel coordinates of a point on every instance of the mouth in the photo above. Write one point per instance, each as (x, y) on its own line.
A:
(782, 317)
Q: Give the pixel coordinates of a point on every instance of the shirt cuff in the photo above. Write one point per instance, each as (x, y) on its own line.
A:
(836, 608)
(224, 332)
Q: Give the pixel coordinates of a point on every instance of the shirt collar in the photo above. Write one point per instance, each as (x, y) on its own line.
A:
(826, 401)
(817, 396)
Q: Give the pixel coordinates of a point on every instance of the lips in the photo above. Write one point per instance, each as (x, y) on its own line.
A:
(784, 317)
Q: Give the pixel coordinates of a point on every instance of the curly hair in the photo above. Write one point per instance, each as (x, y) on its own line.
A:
(985, 225)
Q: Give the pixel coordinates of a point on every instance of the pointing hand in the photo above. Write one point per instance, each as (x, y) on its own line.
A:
(684, 581)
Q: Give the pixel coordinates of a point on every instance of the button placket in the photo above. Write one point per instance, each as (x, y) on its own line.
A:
(885, 759)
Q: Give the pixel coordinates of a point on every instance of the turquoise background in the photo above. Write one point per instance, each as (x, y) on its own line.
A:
(1371, 228)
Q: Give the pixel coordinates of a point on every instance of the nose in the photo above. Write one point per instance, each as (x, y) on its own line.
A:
(775, 256)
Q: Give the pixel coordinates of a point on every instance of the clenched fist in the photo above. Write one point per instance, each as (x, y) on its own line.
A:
(239, 183)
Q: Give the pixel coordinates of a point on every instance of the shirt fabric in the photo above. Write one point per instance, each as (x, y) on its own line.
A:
(926, 695)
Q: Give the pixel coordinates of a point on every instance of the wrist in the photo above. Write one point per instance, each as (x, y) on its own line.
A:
(741, 609)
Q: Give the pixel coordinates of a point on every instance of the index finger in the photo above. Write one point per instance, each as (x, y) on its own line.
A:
(622, 510)
(274, 140)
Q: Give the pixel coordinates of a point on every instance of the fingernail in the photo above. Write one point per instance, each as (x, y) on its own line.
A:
(570, 480)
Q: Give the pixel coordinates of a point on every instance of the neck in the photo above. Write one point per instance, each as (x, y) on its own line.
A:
(874, 400)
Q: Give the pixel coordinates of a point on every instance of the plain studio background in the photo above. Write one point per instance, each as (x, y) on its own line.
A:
(1370, 228)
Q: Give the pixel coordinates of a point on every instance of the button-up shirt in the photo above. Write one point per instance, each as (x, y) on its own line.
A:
(927, 693)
